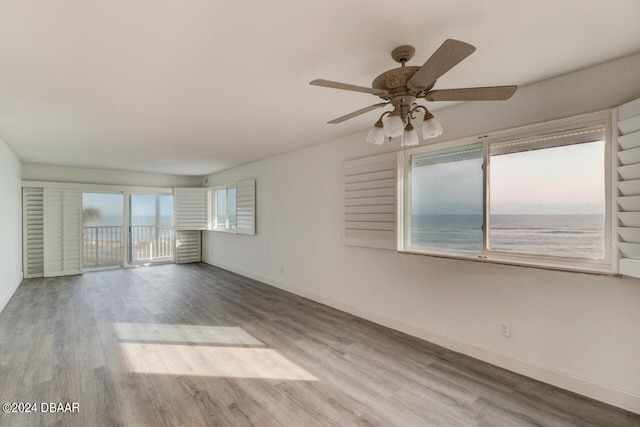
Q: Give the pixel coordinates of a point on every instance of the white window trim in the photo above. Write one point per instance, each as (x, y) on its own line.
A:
(98, 188)
(606, 266)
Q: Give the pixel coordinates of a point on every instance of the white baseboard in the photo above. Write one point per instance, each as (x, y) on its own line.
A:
(561, 379)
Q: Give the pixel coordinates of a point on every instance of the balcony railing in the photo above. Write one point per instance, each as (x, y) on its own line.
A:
(151, 243)
(103, 246)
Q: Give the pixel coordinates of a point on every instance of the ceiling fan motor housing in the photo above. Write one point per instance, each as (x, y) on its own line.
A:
(395, 81)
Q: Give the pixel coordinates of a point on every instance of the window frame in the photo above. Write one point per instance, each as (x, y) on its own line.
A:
(603, 266)
(214, 209)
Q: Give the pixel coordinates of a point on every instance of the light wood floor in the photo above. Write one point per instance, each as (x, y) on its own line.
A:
(190, 345)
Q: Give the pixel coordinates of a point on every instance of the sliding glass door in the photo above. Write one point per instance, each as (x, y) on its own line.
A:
(102, 230)
(122, 229)
(151, 234)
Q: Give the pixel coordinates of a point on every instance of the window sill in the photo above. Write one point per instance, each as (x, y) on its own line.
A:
(557, 264)
(226, 231)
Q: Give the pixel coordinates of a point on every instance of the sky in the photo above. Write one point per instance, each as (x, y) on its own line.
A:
(448, 188)
(560, 180)
(143, 207)
(553, 181)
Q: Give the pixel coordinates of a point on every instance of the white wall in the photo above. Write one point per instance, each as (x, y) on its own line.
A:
(10, 224)
(34, 172)
(577, 331)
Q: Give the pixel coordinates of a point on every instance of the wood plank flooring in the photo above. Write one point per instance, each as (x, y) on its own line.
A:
(194, 345)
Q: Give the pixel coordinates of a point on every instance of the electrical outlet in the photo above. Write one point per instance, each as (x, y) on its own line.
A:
(506, 329)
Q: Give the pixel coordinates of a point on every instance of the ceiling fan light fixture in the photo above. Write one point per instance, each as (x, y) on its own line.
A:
(401, 86)
(393, 125)
(431, 127)
(376, 134)
(410, 136)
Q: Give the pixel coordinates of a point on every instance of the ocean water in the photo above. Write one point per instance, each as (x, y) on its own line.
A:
(458, 232)
(574, 236)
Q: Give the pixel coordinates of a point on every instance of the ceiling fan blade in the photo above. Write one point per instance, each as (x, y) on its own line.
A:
(492, 93)
(357, 113)
(448, 55)
(345, 86)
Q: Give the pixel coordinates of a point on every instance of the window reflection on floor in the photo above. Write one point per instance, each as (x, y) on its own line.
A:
(213, 351)
(230, 335)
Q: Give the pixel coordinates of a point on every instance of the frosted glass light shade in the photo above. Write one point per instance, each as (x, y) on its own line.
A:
(431, 128)
(410, 137)
(393, 126)
(376, 135)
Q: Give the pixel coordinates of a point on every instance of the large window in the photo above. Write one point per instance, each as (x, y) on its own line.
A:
(537, 196)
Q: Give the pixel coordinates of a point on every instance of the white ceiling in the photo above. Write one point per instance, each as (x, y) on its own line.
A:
(193, 87)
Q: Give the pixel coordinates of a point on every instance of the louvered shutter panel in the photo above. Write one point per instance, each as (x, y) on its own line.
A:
(188, 248)
(62, 232)
(53, 250)
(191, 208)
(32, 232)
(246, 207)
(370, 198)
(629, 188)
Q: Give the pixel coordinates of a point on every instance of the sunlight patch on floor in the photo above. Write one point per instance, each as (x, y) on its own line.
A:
(211, 361)
(221, 335)
(211, 351)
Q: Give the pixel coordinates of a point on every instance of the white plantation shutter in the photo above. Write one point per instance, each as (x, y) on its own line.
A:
(629, 188)
(62, 220)
(370, 198)
(188, 247)
(246, 207)
(191, 208)
(32, 232)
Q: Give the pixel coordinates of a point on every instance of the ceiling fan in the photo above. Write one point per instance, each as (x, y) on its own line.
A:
(402, 86)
